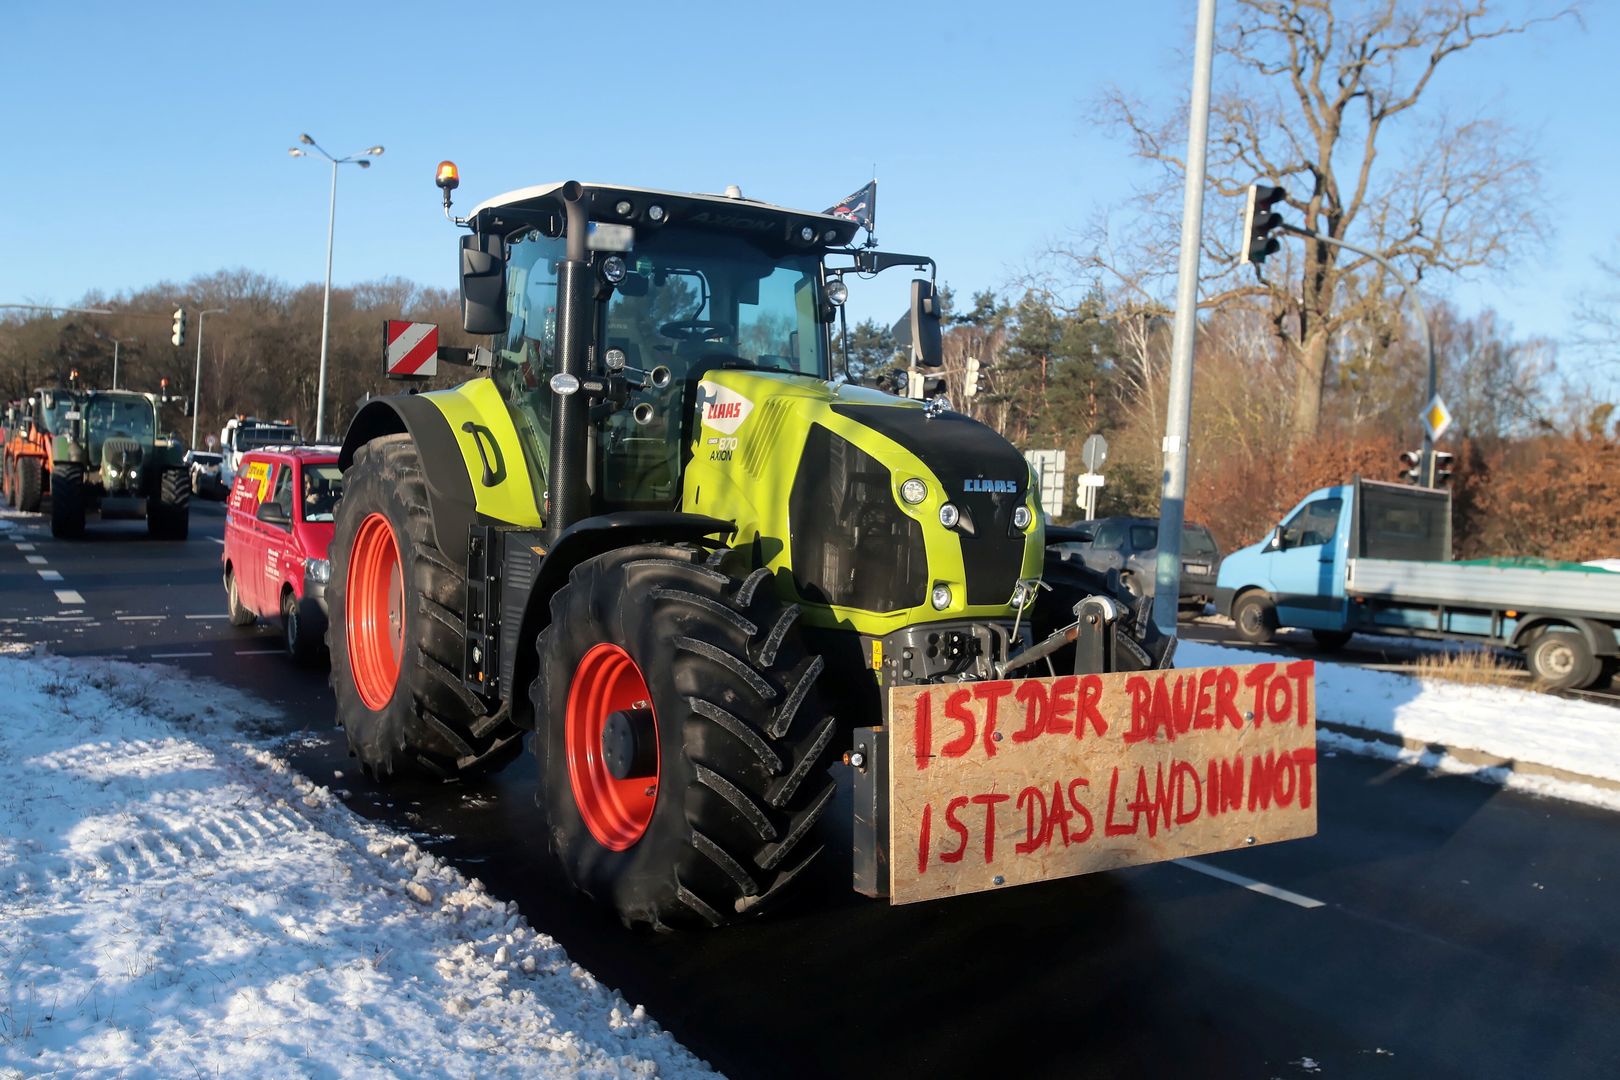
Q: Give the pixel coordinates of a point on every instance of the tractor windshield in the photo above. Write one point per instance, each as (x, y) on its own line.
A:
(695, 301)
(53, 417)
(109, 416)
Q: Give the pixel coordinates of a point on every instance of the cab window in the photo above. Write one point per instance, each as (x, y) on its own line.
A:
(1108, 537)
(322, 487)
(527, 356)
(1312, 524)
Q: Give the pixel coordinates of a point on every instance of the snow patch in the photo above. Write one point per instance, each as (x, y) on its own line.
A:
(1518, 727)
(175, 900)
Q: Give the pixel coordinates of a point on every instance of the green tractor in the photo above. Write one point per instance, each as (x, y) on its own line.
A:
(109, 458)
(660, 534)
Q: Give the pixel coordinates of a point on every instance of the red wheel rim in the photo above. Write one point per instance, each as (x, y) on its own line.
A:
(617, 812)
(375, 616)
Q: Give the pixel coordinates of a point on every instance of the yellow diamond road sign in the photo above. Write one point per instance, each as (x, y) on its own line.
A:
(1436, 418)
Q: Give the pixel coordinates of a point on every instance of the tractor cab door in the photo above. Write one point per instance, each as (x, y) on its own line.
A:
(526, 358)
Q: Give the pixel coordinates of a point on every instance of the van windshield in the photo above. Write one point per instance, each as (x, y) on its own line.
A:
(323, 487)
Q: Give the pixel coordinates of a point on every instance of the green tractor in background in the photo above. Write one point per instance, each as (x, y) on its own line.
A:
(664, 535)
(109, 458)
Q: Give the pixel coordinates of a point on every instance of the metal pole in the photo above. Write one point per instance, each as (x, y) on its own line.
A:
(115, 364)
(326, 311)
(1172, 500)
(1426, 466)
(196, 381)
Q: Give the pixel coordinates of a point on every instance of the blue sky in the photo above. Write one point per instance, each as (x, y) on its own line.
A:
(148, 141)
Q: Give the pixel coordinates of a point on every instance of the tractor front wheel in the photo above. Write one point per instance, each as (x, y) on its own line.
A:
(683, 749)
(67, 499)
(395, 628)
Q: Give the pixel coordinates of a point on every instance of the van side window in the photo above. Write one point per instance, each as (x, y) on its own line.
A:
(1109, 537)
(283, 489)
(1314, 523)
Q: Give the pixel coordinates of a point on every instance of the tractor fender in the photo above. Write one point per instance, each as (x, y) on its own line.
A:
(581, 541)
(451, 502)
(1599, 637)
(64, 448)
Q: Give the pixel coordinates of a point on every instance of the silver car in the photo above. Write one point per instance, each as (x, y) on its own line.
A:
(1130, 546)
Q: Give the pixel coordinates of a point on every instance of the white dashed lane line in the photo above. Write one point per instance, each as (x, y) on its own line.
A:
(175, 655)
(25, 547)
(1249, 883)
(69, 596)
(207, 616)
(36, 560)
(259, 652)
(50, 575)
(141, 618)
(217, 540)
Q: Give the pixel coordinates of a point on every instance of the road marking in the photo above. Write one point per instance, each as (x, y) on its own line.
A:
(69, 596)
(50, 575)
(217, 540)
(1249, 883)
(259, 652)
(36, 560)
(140, 618)
(175, 655)
(25, 547)
(207, 616)
(67, 618)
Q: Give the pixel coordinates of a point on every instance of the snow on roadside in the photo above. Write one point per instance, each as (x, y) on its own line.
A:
(1518, 726)
(175, 901)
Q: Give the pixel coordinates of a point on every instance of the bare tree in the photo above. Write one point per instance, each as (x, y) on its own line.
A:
(1313, 91)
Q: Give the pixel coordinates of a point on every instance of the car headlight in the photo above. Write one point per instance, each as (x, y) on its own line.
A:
(319, 570)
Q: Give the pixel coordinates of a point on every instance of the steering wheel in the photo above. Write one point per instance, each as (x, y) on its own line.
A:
(696, 330)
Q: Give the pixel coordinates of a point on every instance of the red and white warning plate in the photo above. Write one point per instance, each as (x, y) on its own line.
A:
(412, 350)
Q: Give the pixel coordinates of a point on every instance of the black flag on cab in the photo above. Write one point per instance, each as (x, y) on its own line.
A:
(861, 207)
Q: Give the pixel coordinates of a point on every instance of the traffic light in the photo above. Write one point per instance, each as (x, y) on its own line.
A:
(179, 335)
(1259, 221)
(1442, 467)
(970, 384)
(1413, 461)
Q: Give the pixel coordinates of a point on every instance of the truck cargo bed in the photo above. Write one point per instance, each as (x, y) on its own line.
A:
(1527, 590)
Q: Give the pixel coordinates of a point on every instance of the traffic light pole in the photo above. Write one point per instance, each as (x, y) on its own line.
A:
(196, 382)
(1173, 495)
(1426, 468)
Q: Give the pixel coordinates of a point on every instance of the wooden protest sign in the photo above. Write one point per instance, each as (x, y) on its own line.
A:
(1004, 783)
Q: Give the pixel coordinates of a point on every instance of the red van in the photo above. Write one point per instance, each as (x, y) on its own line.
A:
(278, 523)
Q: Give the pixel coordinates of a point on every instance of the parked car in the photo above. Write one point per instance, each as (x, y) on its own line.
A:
(1130, 547)
(278, 523)
(206, 481)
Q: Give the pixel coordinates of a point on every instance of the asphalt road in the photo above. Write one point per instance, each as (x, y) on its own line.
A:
(1435, 927)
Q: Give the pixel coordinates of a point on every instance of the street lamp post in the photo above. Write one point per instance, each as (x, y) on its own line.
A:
(116, 343)
(358, 158)
(196, 381)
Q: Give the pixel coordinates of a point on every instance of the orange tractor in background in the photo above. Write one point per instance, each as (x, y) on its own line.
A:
(30, 427)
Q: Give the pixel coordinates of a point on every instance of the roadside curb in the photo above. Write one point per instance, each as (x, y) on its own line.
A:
(1487, 767)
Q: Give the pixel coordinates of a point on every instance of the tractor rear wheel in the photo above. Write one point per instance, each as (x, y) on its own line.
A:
(682, 745)
(67, 499)
(30, 483)
(5, 482)
(168, 510)
(396, 611)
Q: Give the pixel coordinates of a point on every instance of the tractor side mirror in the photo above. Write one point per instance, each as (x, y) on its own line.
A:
(927, 346)
(483, 284)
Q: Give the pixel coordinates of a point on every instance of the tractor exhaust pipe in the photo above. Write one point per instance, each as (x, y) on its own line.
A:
(568, 482)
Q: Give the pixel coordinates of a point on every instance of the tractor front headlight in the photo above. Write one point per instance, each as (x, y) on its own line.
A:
(949, 515)
(940, 597)
(320, 571)
(1022, 518)
(913, 491)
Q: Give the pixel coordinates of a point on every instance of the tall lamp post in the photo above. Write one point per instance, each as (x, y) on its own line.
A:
(359, 158)
(116, 342)
(196, 380)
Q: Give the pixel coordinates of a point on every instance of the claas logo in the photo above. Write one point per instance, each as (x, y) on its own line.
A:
(725, 410)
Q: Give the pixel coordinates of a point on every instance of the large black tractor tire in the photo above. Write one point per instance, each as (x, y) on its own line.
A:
(67, 500)
(1254, 617)
(683, 747)
(396, 610)
(1137, 646)
(7, 482)
(1560, 659)
(30, 484)
(168, 510)
(236, 611)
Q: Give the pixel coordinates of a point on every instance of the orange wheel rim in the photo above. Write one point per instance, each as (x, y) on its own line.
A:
(617, 812)
(375, 616)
